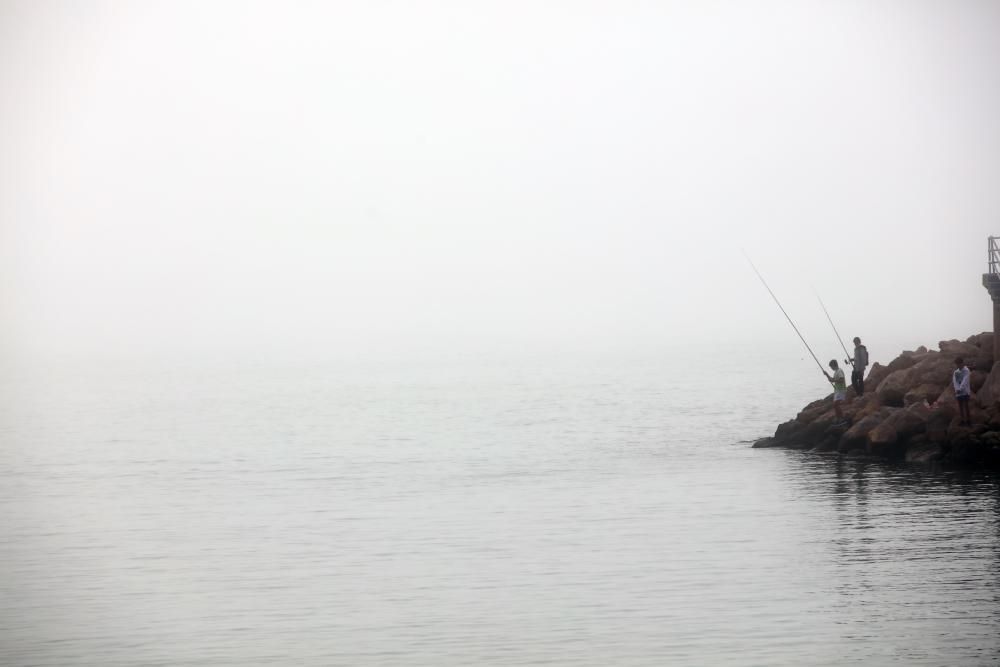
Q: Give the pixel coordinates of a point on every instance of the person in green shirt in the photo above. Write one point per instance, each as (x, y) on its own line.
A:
(839, 390)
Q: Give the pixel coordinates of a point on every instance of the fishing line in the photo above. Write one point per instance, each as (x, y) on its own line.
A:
(837, 333)
(764, 282)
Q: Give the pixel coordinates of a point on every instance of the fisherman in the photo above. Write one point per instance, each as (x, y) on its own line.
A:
(860, 363)
(839, 390)
(960, 380)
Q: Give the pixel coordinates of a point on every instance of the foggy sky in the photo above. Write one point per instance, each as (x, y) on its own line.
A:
(191, 178)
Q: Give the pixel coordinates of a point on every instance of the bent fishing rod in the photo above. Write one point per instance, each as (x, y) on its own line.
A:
(840, 340)
(764, 282)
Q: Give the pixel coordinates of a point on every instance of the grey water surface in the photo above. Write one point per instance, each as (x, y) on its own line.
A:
(468, 513)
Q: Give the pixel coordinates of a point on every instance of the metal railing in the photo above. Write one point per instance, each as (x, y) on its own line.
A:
(993, 254)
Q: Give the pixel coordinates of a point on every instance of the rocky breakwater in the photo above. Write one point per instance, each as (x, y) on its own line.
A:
(909, 411)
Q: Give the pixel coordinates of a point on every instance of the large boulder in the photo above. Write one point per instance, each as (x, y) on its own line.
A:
(975, 357)
(884, 434)
(976, 380)
(860, 408)
(786, 430)
(947, 401)
(991, 414)
(911, 421)
(989, 392)
(831, 438)
(966, 448)
(814, 409)
(937, 425)
(857, 435)
(934, 368)
(890, 438)
(983, 341)
(811, 434)
(957, 348)
(991, 438)
(876, 373)
(904, 361)
(922, 393)
(924, 452)
(892, 390)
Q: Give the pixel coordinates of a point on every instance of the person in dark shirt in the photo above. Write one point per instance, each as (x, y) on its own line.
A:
(860, 363)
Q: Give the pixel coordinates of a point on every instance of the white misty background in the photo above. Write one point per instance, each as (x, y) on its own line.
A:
(188, 179)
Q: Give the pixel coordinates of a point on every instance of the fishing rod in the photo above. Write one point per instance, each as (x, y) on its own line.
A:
(764, 282)
(837, 333)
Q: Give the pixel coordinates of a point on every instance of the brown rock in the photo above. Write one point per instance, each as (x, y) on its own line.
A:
(857, 435)
(894, 387)
(787, 429)
(984, 342)
(976, 380)
(883, 434)
(860, 408)
(891, 437)
(957, 348)
(876, 373)
(965, 448)
(934, 368)
(984, 361)
(989, 392)
(937, 425)
(990, 438)
(926, 452)
(902, 362)
(921, 393)
(911, 421)
(976, 358)
(811, 434)
(829, 443)
(814, 409)
(981, 340)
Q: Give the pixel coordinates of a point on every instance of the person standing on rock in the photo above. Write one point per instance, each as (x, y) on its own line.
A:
(839, 389)
(860, 363)
(960, 380)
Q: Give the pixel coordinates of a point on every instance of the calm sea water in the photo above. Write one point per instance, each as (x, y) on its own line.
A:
(461, 513)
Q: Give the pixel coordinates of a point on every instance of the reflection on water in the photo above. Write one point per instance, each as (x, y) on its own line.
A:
(918, 551)
(570, 519)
